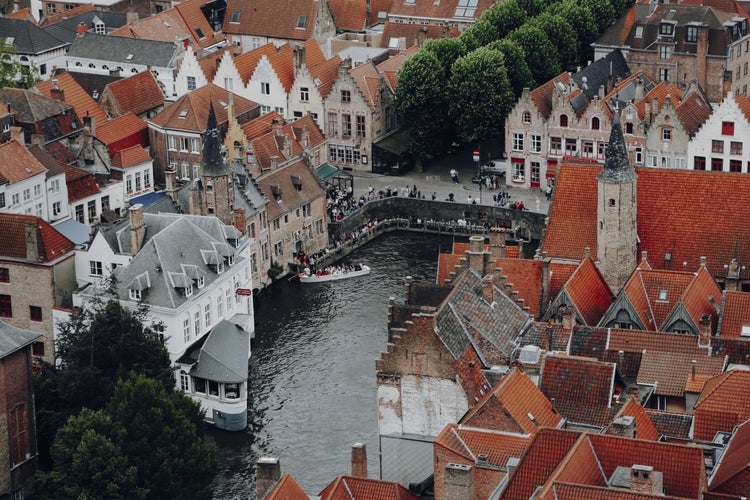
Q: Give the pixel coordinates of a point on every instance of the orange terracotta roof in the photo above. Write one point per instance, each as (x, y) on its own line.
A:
(513, 399)
(327, 72)
(732, 473)
(51, 244)
(671, 372)
(693, 112)
(290, 196)
(65, 14)
(700, 297)
(286, 489)
(469, 443)
(190, 112)
(542, 95)
(119, 128)
(365, 488)
(668, 220)
(589, 291)
(367, 79)
(724, 403)
(73, 93)
(735, 314)
(282, 63)
(272, 18)
(661, 91)
(61, 152)
(200, 28)
(17, 163)
(644, 427)
(131, 156)
(582, 388)
(81, 183)
(447, 263)
(137, 94)
(209, 63)
(560, 273)
(25, 14)
(437, 10)
(272, 144)
(247, 62)
(303, 125)
(391, 66)
(654, 293)
(261, 126)
(413, 35)
(526, 277)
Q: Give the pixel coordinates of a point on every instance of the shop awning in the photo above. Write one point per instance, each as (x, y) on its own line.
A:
(394, 143)
(327, 172)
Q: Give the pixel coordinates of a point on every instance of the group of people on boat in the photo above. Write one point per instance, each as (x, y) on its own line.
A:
(335, 270)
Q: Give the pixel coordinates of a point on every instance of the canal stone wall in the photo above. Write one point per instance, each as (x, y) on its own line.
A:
(523, 224)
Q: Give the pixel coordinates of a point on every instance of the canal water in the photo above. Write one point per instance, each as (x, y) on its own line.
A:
(312, 371)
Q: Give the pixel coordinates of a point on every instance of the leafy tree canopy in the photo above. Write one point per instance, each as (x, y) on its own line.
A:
(422, 105)
(447, 50)
(519, 73)
(479, 115)
(562, 35)
(145, 443)
(541, 54)
(479, 34)
(505, 17)
(533, 7)
(12, 72)
(583, 22)
(603, 12)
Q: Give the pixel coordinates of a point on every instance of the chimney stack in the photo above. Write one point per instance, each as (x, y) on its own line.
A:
(56, 92)
(267, 474)
(276, 127)
(274, 162)
(170, 179)
(240, 220)
(488, 291)
(300, 58)
(32, 250)
(643, 479)
(476, 254)
(623, 426)
(81, 29)
(568, 318)
(458, 482)
(359, 460)
(90, 122)
(137, 228)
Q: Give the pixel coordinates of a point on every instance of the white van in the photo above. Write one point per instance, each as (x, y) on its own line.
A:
(497, 166)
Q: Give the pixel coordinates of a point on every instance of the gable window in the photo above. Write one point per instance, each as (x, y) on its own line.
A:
(346, 96)
(6, 306)
(666, 134)
(664, 75)
(699, 163)
(265, 88)
(691, 34)
(735, 148)
(191, 83)
(95, 268)
(639, 155)
(595, 124)
(228, 84)
(563, 120)
(717, 146)
(4, 275)
(629, 128)
(304, 94)
(235, 16)
(361, 126)
(526, 117)
(536, 143)
(727, 128)
(134, 294)
(666, 29)
(332, 122)
(184, 381)
(35, 313)
(346, 125)
(517, 142)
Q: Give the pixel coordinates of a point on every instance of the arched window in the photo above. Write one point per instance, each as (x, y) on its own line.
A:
(563, 120)
(629, 128)
(526, 117)
(595, 123)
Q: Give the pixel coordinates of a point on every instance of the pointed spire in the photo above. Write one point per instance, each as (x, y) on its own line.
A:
(213, 163)
(617, 168)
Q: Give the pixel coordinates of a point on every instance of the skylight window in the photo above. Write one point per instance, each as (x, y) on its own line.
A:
(223, 104)
(183, 113)
(199, 32)
(130, 56)
(662, 295)
(235, 16)
(10, 39)
(745, 332)
(167, 24)
(301, 22)
(466, 8)
(639, 32)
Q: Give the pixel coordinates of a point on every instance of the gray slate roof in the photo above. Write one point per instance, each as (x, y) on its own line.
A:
(596, 74)
(31, 106)
(67, 29)
(221, 356)
(617, 168)
(28, 37)
(466, 311)
(13, 339)
(118, 48)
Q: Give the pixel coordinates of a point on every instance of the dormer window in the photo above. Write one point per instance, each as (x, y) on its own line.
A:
(135, 294)
(666, 28)
(201, 281)
(691, 34)
(276, 191)
(297, 182)
(301, 22)
(188, 291)
(219, 268)
(230, 260)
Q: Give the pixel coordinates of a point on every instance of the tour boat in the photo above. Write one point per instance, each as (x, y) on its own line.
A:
(320, 277)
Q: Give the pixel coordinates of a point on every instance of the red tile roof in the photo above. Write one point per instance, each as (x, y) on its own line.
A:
(261, 125)
(131, 156)
(724, 403)
(582, 388)
(644, 427)
(347, 487)
(391, 66)
(644, 287)
(282, 63)
(589, 292)
(120, 128)
(436, 10)
(668, 220)
(542, 95)
(286, 489)
(700, 297)
(327, 72)
(413, 35)
(512, 400)
(51, 245)
(290, 196)
(137, 94)
(271, 18)
(73, 94)
(81, 183)
(65, 14)
(469, 443)
(367, 79)
(190, 112)
(272, 144)
(17, 163)
(247, 62)
(732, 473)
(355, 15)
(693, 111)
(447, 263)
(735, 314)
(660, 92)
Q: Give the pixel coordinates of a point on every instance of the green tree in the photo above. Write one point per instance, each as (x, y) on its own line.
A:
(480, 114)
(533, 7)
(421, 103)
(583, 22)
(479, 34)
(12, 72)
(97, 346)
(152, 435)
(562, 35)
(89, 462)
(541, 53)
(447, 50)
(505, 17)
(603, 12)
(519, 73)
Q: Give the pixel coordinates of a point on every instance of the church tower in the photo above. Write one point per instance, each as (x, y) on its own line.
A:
(617, 211)
(213, 194)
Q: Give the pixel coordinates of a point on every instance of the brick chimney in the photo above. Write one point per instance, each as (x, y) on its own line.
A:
(90, 122)
(81, 29)
(624, 426)
(305, 137)
(476, 254)
(137, 228)
(568, 318)
(267, 474)
(488, 290)
(733, 276)
(643, 479)
(276, 127)
(32, 250)
(704, 327)
(56, 92)
(497, 242)
(240, 220)
(359, 460)
(458, 482)
(300, 58)
(274, 162)
(170, 179)
(287, 147)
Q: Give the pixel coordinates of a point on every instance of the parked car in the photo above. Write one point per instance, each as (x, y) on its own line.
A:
(497, 166)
